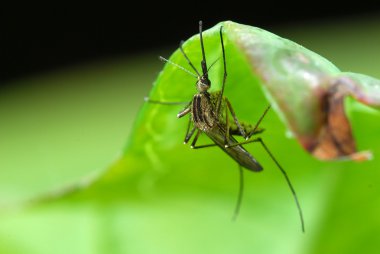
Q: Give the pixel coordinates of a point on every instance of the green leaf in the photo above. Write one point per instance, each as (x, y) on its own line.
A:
(161, 196)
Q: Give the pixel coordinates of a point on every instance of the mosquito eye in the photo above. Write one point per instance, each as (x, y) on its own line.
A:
(206, 82)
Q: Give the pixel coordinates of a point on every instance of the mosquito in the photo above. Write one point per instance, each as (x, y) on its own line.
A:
(209, 114)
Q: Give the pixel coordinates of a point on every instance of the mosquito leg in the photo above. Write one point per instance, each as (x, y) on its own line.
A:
(287, 180)
(219, 104)
(241, 129)
(184, 112)
(254, 131)
(203, 146)
(283, 173)
(248, 128)
(189, 133)
(227, 135)
(195, 139)
(240, 193)
(193, 146)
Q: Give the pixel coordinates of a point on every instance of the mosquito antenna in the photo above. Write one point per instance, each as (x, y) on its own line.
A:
(187, 59)
(203, 63)
(240, 193)
(178, 66)
(209, 68)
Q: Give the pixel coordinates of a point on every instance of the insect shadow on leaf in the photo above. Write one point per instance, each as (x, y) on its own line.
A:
(209, 113)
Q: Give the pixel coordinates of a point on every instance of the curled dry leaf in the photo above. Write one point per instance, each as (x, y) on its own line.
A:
(307, 91)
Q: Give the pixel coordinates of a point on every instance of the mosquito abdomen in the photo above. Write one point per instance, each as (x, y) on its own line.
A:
(238, 153)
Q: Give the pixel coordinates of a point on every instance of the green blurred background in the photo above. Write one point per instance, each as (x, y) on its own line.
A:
(60, 126)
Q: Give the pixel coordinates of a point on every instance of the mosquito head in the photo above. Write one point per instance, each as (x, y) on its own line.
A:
(203, 83)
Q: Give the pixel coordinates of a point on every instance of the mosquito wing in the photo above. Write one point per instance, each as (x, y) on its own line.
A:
(238, 153)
